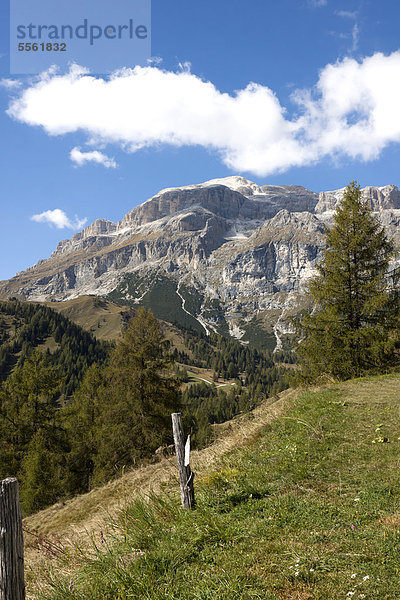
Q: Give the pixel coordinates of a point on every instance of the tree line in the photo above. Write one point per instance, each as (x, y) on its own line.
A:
(25, 326)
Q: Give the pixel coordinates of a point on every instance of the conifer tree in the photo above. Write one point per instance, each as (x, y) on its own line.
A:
(81, 421)
(32, 441)
(41, 473)
(27, 405)
(122, 412)
(142, 393)
(353, 326)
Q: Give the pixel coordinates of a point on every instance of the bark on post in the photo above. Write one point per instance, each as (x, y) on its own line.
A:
(12, 584)
(182, 456)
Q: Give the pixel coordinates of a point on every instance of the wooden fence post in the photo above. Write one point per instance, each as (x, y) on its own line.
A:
(182, 456)
(12, 584)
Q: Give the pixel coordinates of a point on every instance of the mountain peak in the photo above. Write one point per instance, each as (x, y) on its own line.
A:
(236, 183)
(233, 182)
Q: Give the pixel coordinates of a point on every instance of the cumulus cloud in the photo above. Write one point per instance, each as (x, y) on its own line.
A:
(352, 111)
(81, 158)
(57, 218)
(317, 3)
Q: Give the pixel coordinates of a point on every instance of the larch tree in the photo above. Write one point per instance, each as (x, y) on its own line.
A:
(352, 328)
(32, 440)
(122, 413)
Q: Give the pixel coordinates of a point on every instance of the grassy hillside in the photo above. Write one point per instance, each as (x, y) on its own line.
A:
(105, 319)
(299, 500)
(97, 315)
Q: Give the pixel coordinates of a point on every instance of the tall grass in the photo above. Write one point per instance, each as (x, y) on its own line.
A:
(308, 510)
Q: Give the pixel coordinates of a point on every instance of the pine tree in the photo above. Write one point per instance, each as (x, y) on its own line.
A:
(352, 329)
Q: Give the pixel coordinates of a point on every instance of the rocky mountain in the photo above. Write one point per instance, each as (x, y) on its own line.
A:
(225, 255)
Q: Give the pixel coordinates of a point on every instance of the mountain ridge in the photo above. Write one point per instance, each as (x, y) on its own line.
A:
(246, 252)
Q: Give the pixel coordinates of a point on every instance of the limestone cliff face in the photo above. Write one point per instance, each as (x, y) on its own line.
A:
(248, 250)
(380, 198)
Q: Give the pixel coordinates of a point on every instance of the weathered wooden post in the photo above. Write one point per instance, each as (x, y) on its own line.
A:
(12, 584)
(182, 456)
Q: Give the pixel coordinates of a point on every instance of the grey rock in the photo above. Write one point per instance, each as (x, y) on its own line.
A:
(250, 248)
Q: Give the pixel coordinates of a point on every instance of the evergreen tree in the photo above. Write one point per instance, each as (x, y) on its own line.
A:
(32, 441)
(81, 421)
(41, 474)
(352, 329)
(122, 412)
(26, 405)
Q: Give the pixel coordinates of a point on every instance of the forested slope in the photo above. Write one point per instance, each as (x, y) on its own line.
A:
(75, 411)
(25, 326)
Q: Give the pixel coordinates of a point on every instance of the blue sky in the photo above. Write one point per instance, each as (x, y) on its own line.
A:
(269, 133)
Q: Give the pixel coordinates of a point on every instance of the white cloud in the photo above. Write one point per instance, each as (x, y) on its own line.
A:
(352, 111)
(81, 158)
(10, 84)
(59, 219)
